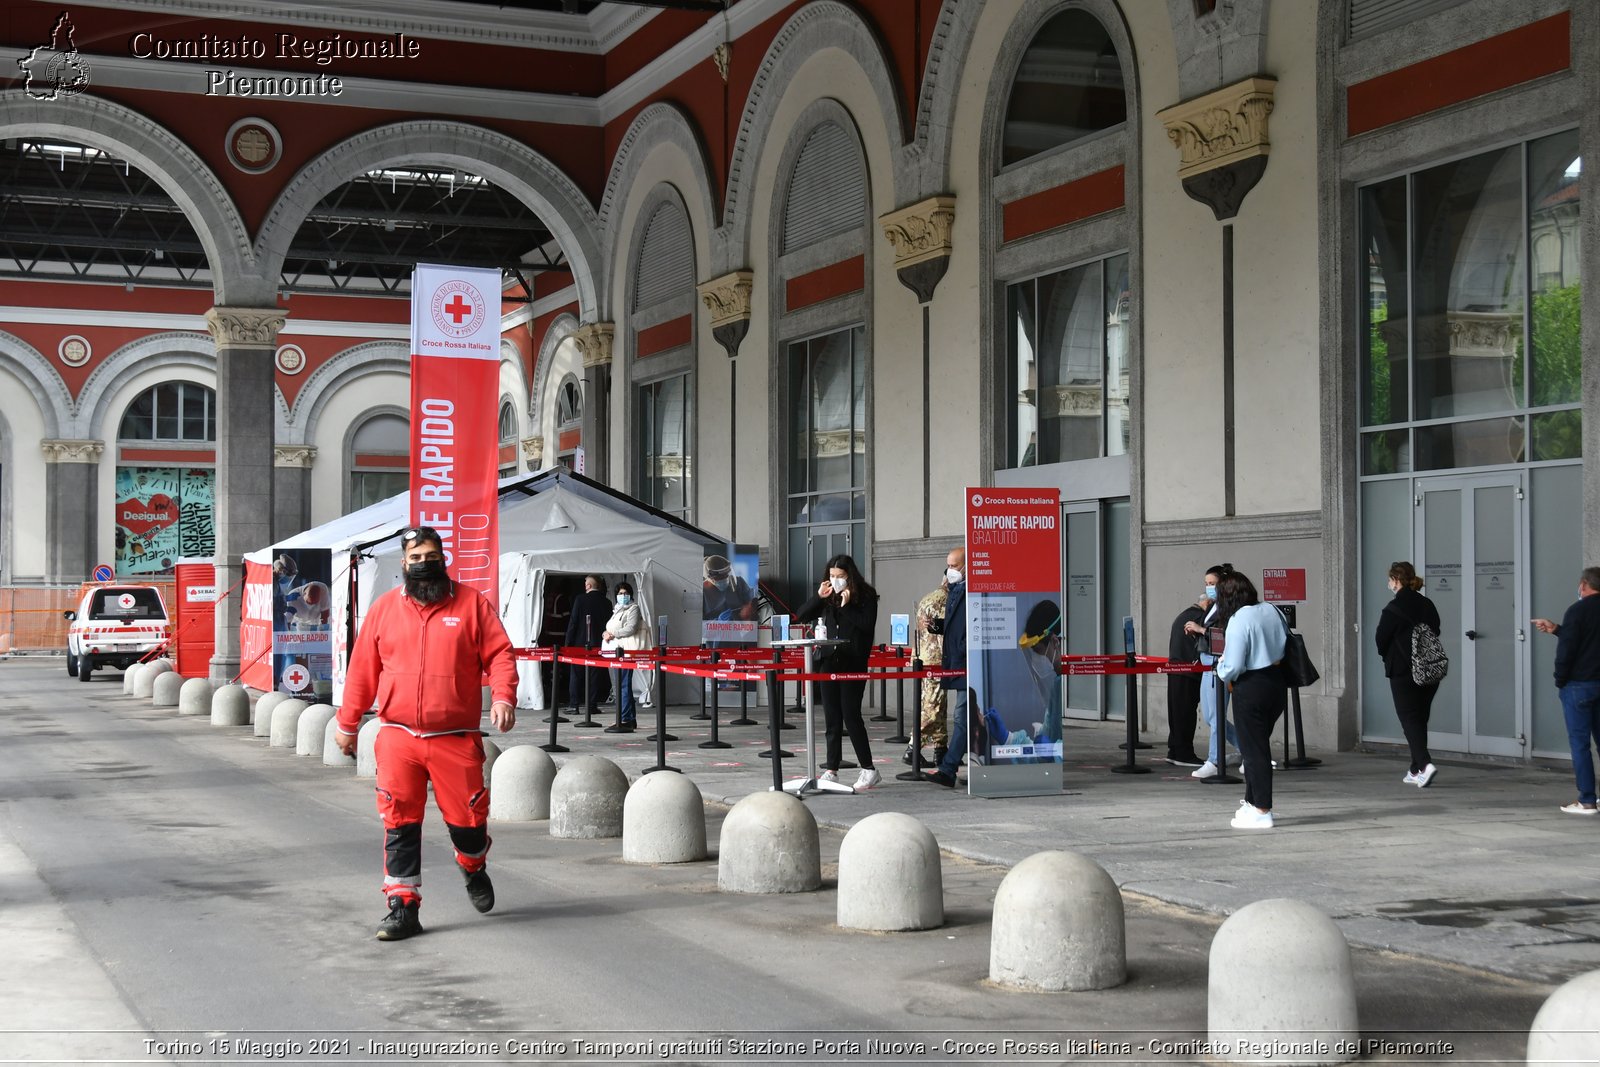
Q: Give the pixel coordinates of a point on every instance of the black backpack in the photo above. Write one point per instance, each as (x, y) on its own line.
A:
(1429, 664)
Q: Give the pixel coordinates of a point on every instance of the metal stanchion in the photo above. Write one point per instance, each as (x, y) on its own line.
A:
(744, 718)
(555, 716)
(555, 689)
(1132, 743)
(899, 736)
(715, 741)
(776, 720)
(1301, 761)
(1222, 777)
(661, 737)
(915, 773)
(588, 676)
(883, 699)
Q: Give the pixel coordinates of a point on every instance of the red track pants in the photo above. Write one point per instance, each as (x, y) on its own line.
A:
(406, 764)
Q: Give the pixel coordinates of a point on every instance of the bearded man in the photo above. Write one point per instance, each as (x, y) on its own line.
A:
(422, 653)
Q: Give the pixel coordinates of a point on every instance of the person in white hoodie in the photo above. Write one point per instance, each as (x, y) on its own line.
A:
(624, 632)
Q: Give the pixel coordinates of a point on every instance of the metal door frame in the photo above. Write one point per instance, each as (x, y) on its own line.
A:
(1094, 508)
(1459, 647)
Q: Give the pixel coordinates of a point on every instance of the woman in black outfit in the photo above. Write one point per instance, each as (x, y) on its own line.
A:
(1412, 702)
(848, 606)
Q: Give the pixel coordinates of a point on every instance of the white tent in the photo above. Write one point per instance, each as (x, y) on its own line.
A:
(555, 523)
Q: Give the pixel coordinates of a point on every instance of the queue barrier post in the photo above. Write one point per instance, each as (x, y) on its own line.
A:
(744, 718)
(776, 719)
(1301, 761)
(915, 773)
(1222, 777)
(883, 699)
(555, 716)
(716, 741)
(1132, 744)
(588, 676)
(661, 737)
(899, 736)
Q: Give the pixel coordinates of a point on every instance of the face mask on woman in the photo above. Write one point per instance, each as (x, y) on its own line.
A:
(838, 584)
(624, 599)
(1211, 592)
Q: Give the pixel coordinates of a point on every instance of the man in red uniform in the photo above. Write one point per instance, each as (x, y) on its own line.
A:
(421, 653)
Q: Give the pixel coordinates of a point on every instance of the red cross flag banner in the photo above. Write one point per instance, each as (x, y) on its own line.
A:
(1014, 640)
(455, 389)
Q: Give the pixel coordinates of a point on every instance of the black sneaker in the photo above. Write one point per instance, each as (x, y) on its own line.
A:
(401, 922)
(940, 778)
(479, 889)
(626, 726)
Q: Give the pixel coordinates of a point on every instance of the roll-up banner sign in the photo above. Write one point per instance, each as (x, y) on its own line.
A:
(455, 392)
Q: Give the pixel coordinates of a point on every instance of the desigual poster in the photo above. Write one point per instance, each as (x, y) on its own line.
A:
(163, 514)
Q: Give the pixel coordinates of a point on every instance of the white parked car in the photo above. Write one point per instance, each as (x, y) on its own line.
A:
(116, 626)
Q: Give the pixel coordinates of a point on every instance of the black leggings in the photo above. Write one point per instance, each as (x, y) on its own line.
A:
(841, 708)
(1257, 703)
(1413, 704)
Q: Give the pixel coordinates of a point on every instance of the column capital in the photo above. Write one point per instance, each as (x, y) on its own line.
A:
(921, 231)
(297, 457)
(1222, 142)
(594, 342)
(236, 327)
(728, 297)
(58, 450)
(533, 452)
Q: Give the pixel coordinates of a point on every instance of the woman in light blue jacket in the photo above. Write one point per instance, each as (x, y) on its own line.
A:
(1252, 668)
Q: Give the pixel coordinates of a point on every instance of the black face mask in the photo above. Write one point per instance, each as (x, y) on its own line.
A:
(427, 569)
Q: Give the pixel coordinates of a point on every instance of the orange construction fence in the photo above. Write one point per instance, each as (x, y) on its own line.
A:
(31, 619)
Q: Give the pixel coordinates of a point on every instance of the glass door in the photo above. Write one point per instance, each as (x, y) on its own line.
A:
(1469, 533)
(1081, 599)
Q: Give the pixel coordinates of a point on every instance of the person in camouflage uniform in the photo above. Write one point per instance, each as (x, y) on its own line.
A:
(930, 649)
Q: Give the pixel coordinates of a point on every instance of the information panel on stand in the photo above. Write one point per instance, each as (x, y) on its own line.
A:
(1014, 623)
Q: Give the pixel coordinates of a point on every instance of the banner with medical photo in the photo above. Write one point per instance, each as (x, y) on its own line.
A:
(455, 395)
(302, 631)
(1014, 625)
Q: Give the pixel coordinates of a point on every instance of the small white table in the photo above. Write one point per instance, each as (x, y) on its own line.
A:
(811, 785)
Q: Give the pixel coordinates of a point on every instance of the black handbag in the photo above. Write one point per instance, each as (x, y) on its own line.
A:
(1297, 665)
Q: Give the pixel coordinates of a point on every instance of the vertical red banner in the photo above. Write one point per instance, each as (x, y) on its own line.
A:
(455, 391)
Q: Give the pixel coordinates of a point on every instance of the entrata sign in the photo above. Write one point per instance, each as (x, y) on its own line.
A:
(455, 393)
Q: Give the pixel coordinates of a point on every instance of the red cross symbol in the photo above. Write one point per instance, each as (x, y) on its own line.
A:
(458, 309)
(296, 677)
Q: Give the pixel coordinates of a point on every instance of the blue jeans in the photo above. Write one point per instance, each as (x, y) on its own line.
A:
(1580, 701)
(958, 731)
(625, 693)
(1208, 709)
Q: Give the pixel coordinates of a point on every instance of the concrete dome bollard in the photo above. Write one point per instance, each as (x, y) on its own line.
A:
(663, 820)
(889, 875)
(519, 789)
(164, 664)
(1058, 926)
(1282, 987)
(312, 728)
(127, 678)
(367, 748)
(230, 706)
(261, 717)
(285, 721)
(586, 798)
(1567, 1028)
(769, 845)
(144, 679)
(165, 688)
(194, 698)
(331, 756)
(491, 752)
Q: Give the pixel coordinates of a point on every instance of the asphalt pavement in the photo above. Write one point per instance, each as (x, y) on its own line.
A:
(175, 892)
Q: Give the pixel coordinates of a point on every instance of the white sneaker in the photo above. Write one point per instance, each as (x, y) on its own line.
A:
(1205, 770)
(868, 779)
(1578, 807)
(1249, 817)
(828, 776)
(1412, 778)
(1425, 775)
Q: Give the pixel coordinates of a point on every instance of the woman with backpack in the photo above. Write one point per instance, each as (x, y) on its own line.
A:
(1396, 637)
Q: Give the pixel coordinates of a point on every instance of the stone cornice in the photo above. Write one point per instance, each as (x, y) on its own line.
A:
(1221, 127)
(921, 231)
(57, 450)
(594, 341)
(297, 457)
(236, 327)
(728, 297)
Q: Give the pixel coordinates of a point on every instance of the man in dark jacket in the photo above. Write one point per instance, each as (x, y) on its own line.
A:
(1183, 690)
(954, 658)
(1578, 679)
(590, 613)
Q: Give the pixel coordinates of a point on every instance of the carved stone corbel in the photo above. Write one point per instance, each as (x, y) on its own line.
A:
(728, 300)
(233, 327)
(58, 450)
(921, 236)
(1222, 142)
(294, 457)
(594, 342)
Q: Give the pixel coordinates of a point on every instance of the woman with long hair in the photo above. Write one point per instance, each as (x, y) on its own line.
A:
(1251, 667)
(848, 606)
(1413, 703)
(625, 633)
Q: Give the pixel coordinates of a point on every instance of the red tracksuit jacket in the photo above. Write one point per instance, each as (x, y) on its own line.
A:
(425, 663)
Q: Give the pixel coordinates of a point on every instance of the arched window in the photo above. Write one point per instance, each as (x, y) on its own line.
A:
(569, 421)
(171, 411)
(508, 438)
(666, 259)
(1068, 86)
(827, 189)
(380, 459)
